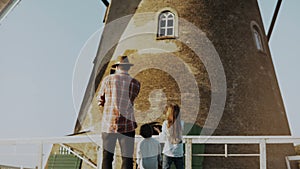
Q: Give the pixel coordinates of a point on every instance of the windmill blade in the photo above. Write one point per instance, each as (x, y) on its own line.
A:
(274, 19)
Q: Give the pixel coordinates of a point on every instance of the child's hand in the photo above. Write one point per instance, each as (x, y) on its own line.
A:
(156, 129)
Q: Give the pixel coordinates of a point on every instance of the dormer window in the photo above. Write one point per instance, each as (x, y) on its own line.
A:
(257, 36)
(166, 24)
(258, 41)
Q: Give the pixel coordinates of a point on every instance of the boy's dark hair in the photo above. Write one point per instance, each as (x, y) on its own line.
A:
(146, 131)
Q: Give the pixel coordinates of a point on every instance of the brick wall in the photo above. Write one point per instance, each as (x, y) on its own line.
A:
(253, 101)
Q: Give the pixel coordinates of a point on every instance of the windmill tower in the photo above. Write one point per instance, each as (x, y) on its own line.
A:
(211, 57)
(3, 5)
(6, 6)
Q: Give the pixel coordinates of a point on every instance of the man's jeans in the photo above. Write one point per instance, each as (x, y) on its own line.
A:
(167, 162)
(126, 141)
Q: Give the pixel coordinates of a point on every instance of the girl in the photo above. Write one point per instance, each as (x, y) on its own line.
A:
(171, 135)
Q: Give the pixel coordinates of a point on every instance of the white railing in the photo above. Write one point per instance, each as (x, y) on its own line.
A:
(54, 140)
(262, 141)
(291, 158)
(79, 156)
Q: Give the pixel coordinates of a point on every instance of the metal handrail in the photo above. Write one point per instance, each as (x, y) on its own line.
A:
(291, 158)
(262, 141)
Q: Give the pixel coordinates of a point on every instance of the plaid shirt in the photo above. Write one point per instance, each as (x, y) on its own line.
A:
(117, 93)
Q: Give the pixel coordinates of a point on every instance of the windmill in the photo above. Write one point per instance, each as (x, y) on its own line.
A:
(211, 57)
(6, 6)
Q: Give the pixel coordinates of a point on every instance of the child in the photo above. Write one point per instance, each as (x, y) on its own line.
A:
(148, 150)
(171, 134)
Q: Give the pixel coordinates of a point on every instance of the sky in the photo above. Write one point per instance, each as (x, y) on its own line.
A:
(42, 44)
(285, 48)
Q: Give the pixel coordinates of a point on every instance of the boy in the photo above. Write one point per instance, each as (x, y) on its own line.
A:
(148, 150)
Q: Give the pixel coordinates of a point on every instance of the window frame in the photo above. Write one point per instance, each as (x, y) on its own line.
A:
(257, 37)
(167, 16)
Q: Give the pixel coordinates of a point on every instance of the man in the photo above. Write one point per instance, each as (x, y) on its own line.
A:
(117, 94)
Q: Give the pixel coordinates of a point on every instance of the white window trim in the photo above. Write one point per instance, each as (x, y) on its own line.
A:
(258, 40)
(175, 23)
(166, 19)
(257, 37)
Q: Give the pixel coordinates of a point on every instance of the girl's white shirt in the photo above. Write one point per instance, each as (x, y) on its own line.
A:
(171, 150)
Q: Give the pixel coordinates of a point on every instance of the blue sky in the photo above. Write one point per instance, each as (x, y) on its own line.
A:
(40, 42)
(285, 49)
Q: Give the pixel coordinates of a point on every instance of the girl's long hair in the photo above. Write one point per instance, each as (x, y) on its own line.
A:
(174, 124)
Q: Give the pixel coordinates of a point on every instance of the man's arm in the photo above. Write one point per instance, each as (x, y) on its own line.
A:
(101, 93)
(134, 89)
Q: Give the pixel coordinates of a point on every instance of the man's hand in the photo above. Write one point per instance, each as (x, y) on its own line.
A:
(101, 101)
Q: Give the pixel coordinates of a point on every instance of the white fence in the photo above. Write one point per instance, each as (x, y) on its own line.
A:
(262, 141)
(291, 158)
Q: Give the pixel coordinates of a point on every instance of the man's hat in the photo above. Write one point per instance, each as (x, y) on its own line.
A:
(123, 60)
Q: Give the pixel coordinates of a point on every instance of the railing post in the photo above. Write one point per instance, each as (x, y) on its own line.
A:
(263, 154)
(287, 162)
(226, 150)
(40, 156)
(99, 157)
(188, 154)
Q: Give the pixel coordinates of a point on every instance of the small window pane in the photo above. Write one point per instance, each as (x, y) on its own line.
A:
(170, 31)
(170, 22)
(170, 16)
(258, 41)
(163, 23)
(162, 32)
